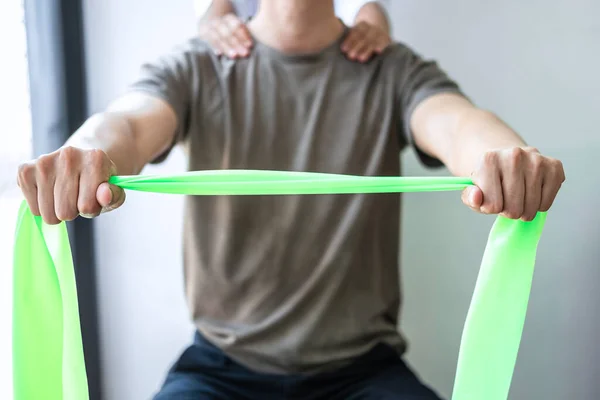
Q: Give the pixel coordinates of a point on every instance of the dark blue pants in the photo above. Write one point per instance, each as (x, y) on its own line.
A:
(204, 372)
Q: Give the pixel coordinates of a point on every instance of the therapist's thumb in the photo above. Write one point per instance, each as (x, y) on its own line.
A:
(110, 196)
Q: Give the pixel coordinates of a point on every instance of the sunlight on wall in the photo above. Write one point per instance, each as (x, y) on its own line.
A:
(15, 136)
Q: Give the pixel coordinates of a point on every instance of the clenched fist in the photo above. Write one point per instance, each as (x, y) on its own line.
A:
(516, 183)
(69, 182)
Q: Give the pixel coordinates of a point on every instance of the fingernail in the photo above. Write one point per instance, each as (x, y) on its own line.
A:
(113, 196)
(472, 198)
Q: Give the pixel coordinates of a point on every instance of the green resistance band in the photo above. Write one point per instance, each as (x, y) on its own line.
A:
(48, 358)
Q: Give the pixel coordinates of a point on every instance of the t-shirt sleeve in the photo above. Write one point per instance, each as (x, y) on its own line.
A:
(420, 79)
(171, 78)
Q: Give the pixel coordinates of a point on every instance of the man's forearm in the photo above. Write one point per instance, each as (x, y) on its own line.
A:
(134, 130)
(373, 14)
(452, 129)
(477, 132)
(113, 134)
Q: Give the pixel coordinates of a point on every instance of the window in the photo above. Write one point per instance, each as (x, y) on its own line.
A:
(15, 139)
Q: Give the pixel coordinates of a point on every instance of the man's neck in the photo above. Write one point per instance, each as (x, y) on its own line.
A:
(296, 26)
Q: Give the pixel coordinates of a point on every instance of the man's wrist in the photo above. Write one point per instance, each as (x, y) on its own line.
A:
(480, 132)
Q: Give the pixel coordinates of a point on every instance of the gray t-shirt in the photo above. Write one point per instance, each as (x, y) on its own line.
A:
(294, 284)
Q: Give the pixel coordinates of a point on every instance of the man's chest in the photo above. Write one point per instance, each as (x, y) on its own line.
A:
(268, 117)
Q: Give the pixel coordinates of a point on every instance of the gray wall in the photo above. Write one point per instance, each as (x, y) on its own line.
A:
(143, 317)
(535, 63)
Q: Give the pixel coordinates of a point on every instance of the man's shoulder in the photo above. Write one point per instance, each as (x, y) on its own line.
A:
(194, 48)
(392, 61)
(397, 51)
(199, 55)
(399, 58)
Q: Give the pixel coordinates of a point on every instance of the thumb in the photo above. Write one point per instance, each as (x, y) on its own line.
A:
(110, 196)
(246, 36)
(472, 197)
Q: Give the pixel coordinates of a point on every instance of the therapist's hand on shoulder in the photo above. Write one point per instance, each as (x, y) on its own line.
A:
(365, 41)
(515, 182)
(229, 36)
(69, 182)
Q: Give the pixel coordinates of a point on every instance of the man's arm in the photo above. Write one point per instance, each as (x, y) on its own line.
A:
(139, 127)
(450, 128)
(72, 181)
(510, 177)
(133, 130)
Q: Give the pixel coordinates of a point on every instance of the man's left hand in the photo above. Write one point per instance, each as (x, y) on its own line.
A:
(516, 183)
(364, 41)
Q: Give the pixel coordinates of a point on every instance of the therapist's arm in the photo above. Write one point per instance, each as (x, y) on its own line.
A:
(370, 34)
(373, 14)
(216, 9)
(224, 30)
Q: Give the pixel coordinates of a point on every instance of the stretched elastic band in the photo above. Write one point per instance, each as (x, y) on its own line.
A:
(48, 358)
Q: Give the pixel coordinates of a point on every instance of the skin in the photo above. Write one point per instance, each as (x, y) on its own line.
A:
(510, 177)
(228, 35)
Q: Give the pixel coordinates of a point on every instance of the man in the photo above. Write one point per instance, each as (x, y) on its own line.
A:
(293, 296)
(221, 25)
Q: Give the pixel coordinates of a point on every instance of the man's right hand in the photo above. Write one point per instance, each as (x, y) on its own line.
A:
(69, 182)
(227, 35)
